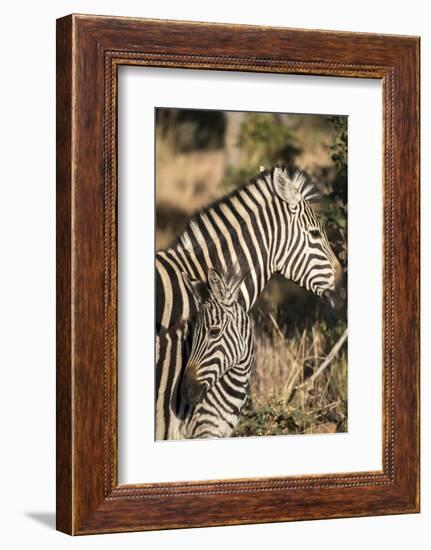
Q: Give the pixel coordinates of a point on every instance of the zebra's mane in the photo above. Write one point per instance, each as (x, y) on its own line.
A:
(300, 179)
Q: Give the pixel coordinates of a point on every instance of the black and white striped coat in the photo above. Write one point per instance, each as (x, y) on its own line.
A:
(267, 226)
(216, 377)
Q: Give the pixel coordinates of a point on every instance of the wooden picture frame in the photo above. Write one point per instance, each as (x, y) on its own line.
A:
(89, 51)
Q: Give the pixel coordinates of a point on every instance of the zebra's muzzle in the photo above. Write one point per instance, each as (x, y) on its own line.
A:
(333, 298)
(192, 391)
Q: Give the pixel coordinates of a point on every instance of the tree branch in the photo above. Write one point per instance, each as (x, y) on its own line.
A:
(303, 389)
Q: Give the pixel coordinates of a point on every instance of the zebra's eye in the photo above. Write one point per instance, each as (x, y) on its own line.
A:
(315, 233)
(214, 332)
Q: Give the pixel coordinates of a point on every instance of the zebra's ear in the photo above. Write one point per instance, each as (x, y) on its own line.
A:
(197, 288)
(218, 286)
(285, 188)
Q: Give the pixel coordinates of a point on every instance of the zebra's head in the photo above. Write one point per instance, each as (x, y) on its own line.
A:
(221, 334)
(305, 256)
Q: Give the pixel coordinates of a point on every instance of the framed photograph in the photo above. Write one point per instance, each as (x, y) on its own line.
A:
(237, 274)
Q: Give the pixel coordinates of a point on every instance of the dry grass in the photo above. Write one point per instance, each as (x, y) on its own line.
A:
(275, 406)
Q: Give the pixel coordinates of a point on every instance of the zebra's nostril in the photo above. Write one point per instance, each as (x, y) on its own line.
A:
(333, 298)
(192, 392)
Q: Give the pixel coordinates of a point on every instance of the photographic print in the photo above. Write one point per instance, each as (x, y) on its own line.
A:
(250, 237)
(238, 347)
(251, 274)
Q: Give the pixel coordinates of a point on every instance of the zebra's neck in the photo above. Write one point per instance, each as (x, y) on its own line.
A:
(218, 414)
(246, 229)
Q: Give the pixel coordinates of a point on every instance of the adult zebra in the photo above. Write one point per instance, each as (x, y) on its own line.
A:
(215, 380)
(267, 226)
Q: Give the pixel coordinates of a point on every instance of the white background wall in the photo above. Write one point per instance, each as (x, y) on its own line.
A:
(27, 285)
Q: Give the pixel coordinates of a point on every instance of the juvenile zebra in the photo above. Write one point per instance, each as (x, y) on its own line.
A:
(215, 380)
(264, 227)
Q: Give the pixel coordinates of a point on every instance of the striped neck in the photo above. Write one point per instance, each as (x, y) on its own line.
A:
(244, 229)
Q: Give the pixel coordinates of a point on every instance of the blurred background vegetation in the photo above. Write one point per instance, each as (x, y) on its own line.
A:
(200, 156)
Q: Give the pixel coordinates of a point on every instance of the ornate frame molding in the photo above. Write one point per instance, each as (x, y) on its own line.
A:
(89, 498)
